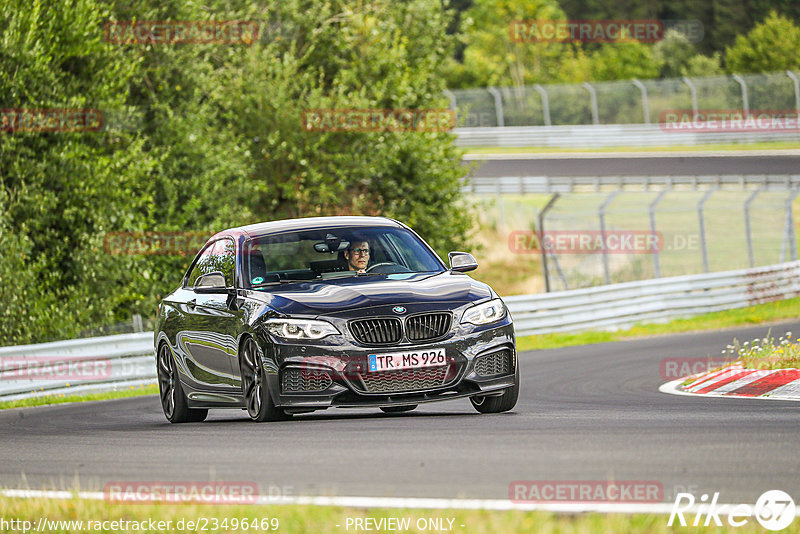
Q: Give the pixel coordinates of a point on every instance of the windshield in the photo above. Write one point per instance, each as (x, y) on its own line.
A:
(335, 253)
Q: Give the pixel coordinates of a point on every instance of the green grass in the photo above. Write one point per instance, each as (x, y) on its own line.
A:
(734, 147)
(761, 313)
(62, 398)
(323, 519)
(767, 352)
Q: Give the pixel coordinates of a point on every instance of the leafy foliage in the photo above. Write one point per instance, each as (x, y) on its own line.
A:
(219, 142)
(769, 47)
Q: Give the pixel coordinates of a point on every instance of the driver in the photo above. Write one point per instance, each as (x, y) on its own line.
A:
(357, 255)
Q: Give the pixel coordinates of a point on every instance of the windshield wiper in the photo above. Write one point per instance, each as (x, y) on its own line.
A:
(281, 281)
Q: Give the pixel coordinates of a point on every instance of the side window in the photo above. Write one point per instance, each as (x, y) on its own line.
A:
(200, 265)
(220, 256)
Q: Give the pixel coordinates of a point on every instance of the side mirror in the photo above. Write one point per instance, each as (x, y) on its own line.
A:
(211, 283)
(462, 261)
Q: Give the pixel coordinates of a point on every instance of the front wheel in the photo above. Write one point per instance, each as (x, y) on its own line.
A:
(259, 403)
(501, 403)
(173, 401)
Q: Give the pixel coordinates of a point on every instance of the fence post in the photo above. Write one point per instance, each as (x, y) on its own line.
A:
(498, 105)
(788, 230)
(702, 227)
(693, 91)
(499, 190)
(545, 103)
(601, 214)
(593, 100)
(652, 210)
(449, 94)
(745, 100)
(645, 103)
(747, 228)
(540, 230)
(794, 79)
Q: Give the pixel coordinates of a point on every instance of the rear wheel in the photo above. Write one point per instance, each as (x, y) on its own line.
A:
(259, 403)
(173, 401)
(398, 409)
(501, 403)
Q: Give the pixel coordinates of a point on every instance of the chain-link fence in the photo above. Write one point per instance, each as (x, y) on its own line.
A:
(590, 239)
(623, 102)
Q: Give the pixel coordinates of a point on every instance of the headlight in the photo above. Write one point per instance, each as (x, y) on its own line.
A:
(300, 328)
(485, 313)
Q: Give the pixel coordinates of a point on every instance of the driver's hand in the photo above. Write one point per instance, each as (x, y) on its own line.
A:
(362, 270)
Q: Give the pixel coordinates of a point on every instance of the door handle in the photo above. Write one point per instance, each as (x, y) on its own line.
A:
(191, 303)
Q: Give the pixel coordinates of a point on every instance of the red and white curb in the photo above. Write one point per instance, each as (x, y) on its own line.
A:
(734, 381)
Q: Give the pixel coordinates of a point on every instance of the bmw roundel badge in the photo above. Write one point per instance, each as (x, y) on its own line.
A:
(399, 309)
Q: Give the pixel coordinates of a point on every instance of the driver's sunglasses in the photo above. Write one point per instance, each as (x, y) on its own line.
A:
(361, 251)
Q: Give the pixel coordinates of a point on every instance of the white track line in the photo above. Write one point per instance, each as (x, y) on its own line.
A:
(403, 502)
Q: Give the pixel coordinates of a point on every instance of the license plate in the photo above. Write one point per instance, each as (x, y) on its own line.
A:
(407, 360)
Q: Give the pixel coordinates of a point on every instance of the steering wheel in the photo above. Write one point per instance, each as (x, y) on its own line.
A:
(382, 264)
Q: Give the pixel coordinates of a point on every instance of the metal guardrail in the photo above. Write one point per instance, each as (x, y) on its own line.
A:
(77, 365)
(512, 185)
(618, 306)
(606, 135)
(124, 360)
(625, 101)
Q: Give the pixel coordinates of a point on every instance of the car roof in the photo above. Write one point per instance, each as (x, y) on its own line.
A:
(308, 223)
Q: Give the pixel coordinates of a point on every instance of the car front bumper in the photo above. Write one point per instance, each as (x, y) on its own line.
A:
(480, 361)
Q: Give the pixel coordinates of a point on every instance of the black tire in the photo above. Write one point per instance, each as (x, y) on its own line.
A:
(398, 409)
(173, 400)
(258, 401)
(501, 403)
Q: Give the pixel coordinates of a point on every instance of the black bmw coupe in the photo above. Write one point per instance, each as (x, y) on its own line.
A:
(293, 316)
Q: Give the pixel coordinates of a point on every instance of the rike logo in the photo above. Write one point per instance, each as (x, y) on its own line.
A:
(774, 510)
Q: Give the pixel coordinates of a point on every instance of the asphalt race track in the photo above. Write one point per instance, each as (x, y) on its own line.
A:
(632, 164)
(585, 413)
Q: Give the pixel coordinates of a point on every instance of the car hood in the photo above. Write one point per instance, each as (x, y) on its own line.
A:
(344, 296)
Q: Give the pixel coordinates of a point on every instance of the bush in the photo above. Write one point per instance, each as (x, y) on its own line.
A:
(220, 142)
(769, 47)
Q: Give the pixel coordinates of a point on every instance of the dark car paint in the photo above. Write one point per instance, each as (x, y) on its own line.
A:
(205, 337)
